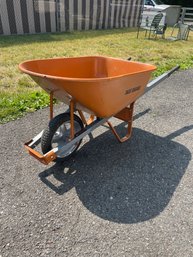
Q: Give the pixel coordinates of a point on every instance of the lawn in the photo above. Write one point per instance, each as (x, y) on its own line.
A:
(19, 94)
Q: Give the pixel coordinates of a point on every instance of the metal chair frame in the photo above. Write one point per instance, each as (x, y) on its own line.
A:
(183, 32)
(154, 27)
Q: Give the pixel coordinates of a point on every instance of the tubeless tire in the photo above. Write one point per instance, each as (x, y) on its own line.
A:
(57, 134)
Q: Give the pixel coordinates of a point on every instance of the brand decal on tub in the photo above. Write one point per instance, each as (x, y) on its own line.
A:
(132, 90)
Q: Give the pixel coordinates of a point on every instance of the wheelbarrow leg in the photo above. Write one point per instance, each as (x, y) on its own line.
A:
(126, 115)
(86, 122)
(71, 119)
(51, 105)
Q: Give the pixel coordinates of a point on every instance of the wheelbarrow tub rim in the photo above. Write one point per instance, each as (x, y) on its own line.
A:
(142, 67)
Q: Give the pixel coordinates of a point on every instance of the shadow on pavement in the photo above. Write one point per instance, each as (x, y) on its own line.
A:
(124, 183)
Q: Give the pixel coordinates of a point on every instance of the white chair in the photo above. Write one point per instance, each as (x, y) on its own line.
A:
(182, 32)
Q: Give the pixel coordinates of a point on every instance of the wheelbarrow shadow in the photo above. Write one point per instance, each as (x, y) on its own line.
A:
(124, 183)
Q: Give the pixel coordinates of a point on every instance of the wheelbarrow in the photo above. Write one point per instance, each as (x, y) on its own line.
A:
(102, 87)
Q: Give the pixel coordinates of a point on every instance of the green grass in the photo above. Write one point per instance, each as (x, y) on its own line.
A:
(19, 94)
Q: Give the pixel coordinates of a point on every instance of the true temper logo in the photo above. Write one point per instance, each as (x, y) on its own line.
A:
(132, 90)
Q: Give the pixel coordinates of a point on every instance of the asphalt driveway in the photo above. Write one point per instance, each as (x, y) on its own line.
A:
(133, 199)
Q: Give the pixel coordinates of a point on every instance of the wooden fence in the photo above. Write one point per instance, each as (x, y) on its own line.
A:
(41, 16)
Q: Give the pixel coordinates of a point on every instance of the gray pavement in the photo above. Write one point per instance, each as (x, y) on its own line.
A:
(133, 199)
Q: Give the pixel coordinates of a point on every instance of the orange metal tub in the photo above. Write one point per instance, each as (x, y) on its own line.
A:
(102, 86)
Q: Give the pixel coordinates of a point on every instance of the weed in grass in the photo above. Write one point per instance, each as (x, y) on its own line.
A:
(13, 106)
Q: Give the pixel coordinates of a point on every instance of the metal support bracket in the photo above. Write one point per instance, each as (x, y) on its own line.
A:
(126, 115)
(46, 158)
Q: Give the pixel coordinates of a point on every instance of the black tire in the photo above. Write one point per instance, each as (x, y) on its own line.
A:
(54, 134)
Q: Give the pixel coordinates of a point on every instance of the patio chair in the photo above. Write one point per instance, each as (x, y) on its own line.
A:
(154, 27)
(182, 32)
(161, 30)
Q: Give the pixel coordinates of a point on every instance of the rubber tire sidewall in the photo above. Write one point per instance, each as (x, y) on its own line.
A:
(51, 129)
